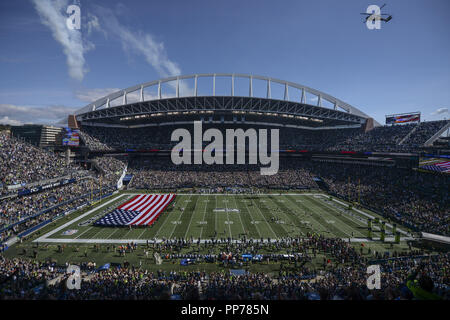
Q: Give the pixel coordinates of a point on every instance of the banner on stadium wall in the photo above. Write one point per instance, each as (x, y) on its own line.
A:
(403, 118)
(44, 187)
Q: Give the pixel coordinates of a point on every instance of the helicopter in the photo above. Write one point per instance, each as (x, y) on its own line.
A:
(378, 16)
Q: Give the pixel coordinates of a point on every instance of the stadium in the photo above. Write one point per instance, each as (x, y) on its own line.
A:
(349, 193)
(224, 159)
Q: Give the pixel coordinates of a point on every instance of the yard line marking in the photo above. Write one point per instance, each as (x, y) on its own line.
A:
(346, 216)
(256, 225)
(239, 214)
(179, 217)
(215, 216)
(190, 221)
(83, 232)
(203, 219)
(276, 216)
(228, 217)
(371, 217)
(294, 228)
(167, 218)
(312, 218)
(343, 227)
(254, 202)
(145, 229)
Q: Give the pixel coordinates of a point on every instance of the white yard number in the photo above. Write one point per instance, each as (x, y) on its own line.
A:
(74, 280)
(373, 22)
(374, 279)
(74, 20)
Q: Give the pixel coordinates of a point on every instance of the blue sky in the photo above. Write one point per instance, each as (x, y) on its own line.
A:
(46, 71)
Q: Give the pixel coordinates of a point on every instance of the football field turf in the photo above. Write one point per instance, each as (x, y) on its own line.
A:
(207, 216)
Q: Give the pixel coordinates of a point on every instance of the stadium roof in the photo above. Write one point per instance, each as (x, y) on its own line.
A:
(136, 100)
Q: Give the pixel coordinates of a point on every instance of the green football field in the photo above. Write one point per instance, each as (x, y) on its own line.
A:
(206, 216)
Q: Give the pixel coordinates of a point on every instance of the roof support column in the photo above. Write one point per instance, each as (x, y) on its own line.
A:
(159, 89)
(250, 93)
(268, 89)
(142, 93)
(319, 100)
(232, 85)
(303, 100)
(286, 93)
(214, 84)
(124, 97)
(196, 87)
(178, 87)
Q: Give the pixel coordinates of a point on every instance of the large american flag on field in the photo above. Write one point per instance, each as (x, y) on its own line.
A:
(440, 166)
(141, 210)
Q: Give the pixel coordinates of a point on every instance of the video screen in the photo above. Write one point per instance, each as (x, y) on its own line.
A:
(71, 137)
(404, 118)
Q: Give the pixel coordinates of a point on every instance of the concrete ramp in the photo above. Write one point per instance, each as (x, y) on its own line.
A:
(430, 141)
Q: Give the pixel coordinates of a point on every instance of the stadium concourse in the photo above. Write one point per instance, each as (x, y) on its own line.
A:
(37, 186)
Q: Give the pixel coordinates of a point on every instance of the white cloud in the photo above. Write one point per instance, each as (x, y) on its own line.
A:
(90, 95)
(12, 122)
(140, 43)
(53, 15)
(143, 44)
(440, 111)
(16, 115)
(93, 24)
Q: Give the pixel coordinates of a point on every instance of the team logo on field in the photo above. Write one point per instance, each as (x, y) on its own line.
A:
(69, 232)
(226, 210)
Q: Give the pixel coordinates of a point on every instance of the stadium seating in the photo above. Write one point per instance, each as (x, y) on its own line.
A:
(384, 139)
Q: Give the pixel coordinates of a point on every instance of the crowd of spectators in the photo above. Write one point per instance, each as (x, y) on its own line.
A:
(424, 132)
(417, 199)
(24, 163)
(111, 167)
(21, 162)
(19, 208)
(93, 142)
(385, 138)
(381, 139)
(161, 174)
(341, 276)
(393, 138)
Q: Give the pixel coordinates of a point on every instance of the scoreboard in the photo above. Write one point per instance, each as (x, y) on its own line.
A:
(403, 118)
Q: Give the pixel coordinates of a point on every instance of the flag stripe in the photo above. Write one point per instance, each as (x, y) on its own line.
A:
(138, 204)
(128, 204)
(142, 214)
(153, 211)
(155, 216)
(129, 201)
(150, 206)
(445, 164)
(146, 203)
